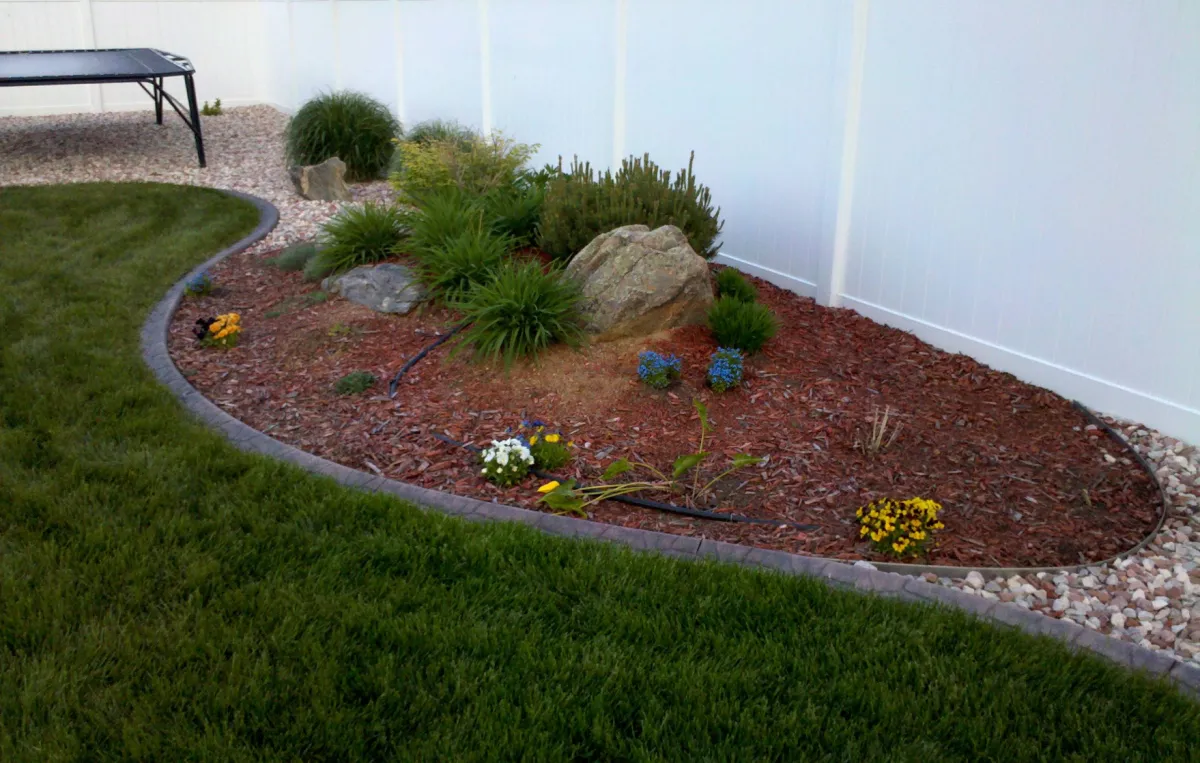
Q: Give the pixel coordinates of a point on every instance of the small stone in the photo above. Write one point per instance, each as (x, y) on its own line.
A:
(322, 182)
(974, 579)
(1061, 604)
(1160, 603)
(1117, 620)
(1088, 581)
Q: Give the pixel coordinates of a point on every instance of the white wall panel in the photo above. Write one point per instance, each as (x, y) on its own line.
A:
(366, 43)
(41, 25)
(442, 61)
(552, 67)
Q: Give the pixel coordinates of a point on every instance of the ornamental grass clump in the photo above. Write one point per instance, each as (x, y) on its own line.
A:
(731, 283)
(464, 262)
(441, 216)
(725, 369)
(362, 235)
(520, 312)
(294, 257)
(581, 205)
(746, 326)
(658, 371)
(222, 331)
(899, 528)
(506, 462)
(354, 127)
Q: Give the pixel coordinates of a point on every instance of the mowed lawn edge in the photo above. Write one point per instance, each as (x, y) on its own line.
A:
(165, 596)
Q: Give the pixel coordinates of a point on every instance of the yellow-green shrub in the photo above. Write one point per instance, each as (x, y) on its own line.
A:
(476, 166)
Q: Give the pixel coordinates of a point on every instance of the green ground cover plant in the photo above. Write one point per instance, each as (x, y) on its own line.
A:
(169, 597)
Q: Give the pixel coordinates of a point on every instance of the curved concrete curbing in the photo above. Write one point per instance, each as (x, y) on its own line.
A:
(154, 352)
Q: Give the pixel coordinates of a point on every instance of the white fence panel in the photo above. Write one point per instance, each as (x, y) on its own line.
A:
(1027, 192)
(43, 25)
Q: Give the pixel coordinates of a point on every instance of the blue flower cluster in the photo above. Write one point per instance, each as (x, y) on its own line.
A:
(199, 286)
(658, 371)
(725, 369)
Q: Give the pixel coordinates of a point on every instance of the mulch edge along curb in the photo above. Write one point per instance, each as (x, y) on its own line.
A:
(835, 573)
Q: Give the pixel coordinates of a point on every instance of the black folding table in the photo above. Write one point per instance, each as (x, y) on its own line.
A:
(145, 66)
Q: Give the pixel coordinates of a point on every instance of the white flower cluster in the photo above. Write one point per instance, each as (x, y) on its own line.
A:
(506, 461)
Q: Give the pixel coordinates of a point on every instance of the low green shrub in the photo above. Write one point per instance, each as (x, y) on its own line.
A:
(520, 312)
(468, 260)
(319, 266)
(294, 257)
(213, 110)
(731, 283)
(354, 383)
(745, 326)
(432, 130)
(351, 126)
(580, 206)
(476, 167)
(362, 235)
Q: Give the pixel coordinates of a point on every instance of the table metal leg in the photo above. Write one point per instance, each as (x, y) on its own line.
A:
(158, 99)
(195, 113)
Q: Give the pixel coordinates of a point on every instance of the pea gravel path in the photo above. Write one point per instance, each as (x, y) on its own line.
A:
(1147, 599)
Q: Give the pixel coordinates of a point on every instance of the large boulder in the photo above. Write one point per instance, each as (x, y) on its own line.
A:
(637, 281)
(321, 182)
(386, 288)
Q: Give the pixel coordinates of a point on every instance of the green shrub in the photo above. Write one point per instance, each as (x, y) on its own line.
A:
(319, 266)
(549, 456)
(354, 383)
(294, 257)
(522, 311)
(477, 167)
(362, 235)
(442, 216)
(211, 111)
(351, 126)
(470, 259)
(580, 206)
(731, 283)
(745, 326)
(432, 130)
(515, 212)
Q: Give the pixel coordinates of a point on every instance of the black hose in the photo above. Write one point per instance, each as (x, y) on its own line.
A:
(648, 504)
(395, 382)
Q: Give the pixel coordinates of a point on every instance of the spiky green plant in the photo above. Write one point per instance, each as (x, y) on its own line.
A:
(441, 216)
(745, 326)
(351, 126)
(362, 235)
(515, 212)
(520, 312)
(470, 259)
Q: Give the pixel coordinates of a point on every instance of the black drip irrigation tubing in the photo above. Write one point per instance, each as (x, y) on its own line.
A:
(395, 382)
(645, 503)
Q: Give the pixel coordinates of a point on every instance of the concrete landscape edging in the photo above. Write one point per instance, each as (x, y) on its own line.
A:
(155, 353)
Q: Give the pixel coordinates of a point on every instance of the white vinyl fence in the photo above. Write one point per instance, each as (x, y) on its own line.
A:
(1016, 180)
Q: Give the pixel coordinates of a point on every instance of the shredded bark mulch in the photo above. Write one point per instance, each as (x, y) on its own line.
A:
(1023, 478)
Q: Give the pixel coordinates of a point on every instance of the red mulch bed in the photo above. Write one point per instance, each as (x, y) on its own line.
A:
(1024, 480)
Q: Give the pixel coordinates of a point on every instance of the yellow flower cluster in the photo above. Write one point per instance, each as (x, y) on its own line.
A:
(900, 528)
(225, 328)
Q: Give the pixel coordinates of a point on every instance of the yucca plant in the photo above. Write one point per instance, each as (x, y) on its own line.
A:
(731, 283)
(745, 326)
(351, 126)
(362, 235)
(520, 312)
(470, 259)
(580, 206)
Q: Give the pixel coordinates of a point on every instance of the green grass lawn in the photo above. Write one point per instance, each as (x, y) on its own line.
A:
(165, 597)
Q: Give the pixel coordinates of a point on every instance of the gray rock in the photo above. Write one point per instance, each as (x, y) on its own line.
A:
(974, 579)
(386, 288)
(637, 281)
(321, 182)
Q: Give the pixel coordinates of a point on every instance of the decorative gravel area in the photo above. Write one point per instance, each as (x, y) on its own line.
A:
(1148, 598)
